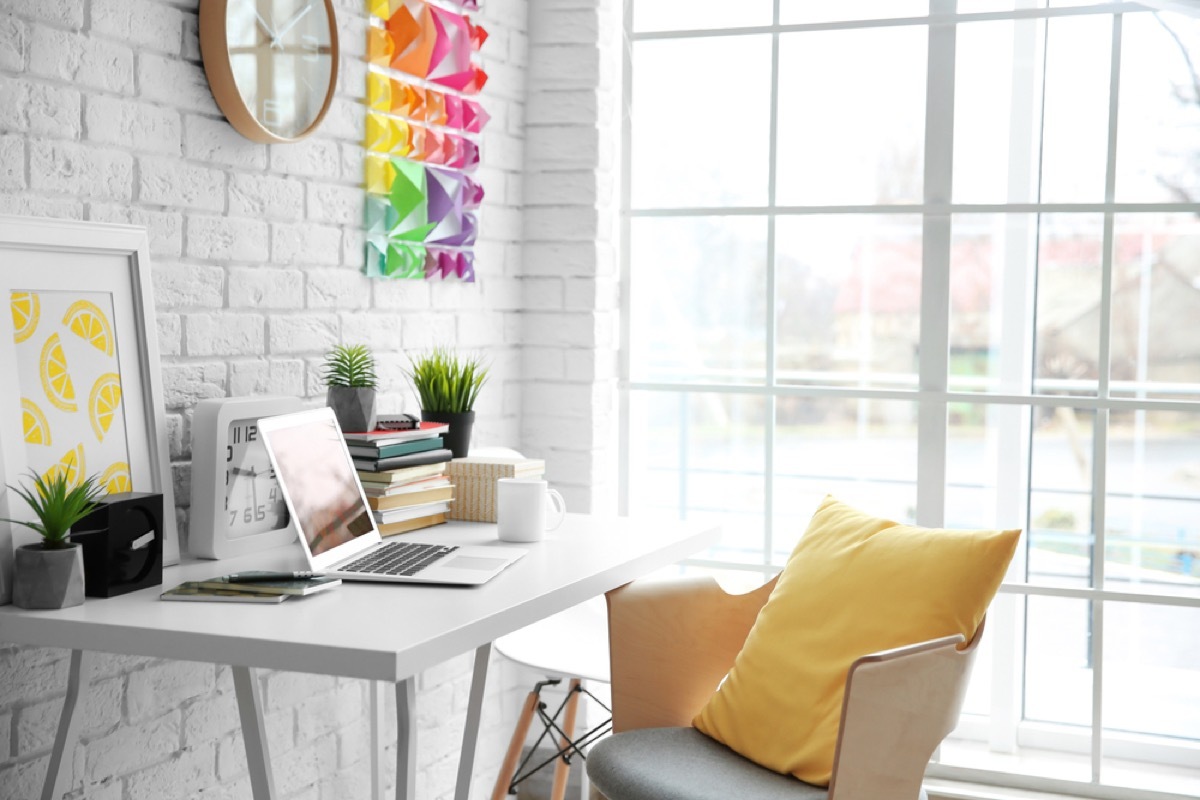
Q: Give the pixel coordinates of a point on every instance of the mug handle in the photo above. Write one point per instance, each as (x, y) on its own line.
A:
(560, 506)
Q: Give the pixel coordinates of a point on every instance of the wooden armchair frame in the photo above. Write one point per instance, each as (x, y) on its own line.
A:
(672, 643)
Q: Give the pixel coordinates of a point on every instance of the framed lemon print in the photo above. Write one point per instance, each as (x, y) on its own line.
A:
(82, 393)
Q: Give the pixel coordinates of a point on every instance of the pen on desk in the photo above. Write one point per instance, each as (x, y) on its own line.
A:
(266, 577)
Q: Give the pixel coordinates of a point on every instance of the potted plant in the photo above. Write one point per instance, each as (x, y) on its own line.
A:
(350, 376)
(49, 574)
(447, 386)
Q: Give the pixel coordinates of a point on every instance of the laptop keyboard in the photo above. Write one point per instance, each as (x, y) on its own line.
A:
(398, 558)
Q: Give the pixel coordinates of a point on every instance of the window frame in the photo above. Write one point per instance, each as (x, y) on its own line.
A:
(933, 395)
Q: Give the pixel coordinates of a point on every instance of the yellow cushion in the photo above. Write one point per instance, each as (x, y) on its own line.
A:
(854, 585)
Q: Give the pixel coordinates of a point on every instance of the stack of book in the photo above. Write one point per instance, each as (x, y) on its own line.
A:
(403, 474)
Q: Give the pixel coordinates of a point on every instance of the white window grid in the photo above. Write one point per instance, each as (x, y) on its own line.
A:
(930, 391)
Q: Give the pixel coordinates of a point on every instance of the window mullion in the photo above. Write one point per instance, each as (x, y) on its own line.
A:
(1100, 441)
(935, 269)
(771, 405)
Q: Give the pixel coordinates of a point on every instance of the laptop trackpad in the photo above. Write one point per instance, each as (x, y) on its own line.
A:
(475, 562)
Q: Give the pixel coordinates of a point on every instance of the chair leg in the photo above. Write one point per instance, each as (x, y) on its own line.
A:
(563, 768)
(509, 768)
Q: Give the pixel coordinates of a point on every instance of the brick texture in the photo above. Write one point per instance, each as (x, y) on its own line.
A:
(256, 252)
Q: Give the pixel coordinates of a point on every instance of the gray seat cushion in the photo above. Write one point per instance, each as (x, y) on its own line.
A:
(684, 764)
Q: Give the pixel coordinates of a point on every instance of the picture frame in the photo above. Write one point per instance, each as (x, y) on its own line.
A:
(80, 338)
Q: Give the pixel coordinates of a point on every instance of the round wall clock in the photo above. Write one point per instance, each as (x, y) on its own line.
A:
(237, 506)
(272, 64)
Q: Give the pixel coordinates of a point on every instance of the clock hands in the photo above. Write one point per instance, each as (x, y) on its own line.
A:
(291, 23)
(262, 23)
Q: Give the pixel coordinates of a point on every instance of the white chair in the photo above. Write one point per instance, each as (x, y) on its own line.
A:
(571, 646)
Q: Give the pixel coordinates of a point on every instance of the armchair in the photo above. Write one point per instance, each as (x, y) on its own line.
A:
(672, 643)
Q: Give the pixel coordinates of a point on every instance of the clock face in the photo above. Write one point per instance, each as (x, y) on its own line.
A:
(281, 55)
(253, 500)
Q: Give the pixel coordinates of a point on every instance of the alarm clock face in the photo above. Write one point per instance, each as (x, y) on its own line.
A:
(253, 500)
(281, 56)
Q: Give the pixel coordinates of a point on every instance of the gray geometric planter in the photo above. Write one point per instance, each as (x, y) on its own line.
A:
(354, 407)
(47, 578)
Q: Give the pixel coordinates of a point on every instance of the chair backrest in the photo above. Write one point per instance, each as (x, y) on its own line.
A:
(705, 628)
(896, 710)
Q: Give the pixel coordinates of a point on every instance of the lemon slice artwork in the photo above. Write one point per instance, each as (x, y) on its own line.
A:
(56, 380)
(103, 402)
(72, 464)
(33, 421)
(26, 309)
(116, 478)
(88, 322)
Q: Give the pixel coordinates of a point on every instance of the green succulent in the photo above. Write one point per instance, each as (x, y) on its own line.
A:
(446, 382)
(350, 365)
(58, 503)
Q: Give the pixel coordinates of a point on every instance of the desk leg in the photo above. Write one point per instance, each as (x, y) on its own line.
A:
(258, 756)
(79, 679)
(376, 711)
(406, 740)
(466, 763)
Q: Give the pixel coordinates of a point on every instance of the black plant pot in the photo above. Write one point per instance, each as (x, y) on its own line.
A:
(354, 407)
(458, 438)
(122, 543)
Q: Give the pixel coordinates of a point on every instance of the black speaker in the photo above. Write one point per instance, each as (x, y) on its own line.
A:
(122, 543)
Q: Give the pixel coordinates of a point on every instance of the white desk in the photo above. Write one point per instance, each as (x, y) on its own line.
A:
(380, 632)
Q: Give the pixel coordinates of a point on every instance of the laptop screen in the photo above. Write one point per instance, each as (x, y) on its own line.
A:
(316, 470)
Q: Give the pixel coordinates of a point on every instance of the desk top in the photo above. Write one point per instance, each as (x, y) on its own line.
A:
(366, 630)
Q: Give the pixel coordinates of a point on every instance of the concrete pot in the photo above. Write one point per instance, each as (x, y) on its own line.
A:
(47, 578)
(354, 407)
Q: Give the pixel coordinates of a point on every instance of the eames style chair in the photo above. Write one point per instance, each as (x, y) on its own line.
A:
(673, 642)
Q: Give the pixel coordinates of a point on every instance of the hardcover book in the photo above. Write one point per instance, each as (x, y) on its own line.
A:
(440, 456)
(396, 449)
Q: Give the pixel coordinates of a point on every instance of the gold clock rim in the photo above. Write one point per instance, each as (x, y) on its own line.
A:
(214, 53)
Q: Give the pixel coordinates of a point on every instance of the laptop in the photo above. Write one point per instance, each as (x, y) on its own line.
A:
(330, 512)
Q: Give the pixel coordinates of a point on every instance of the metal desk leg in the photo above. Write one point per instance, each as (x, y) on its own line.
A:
(376, 712)
(466, 763)
(58, 772)
(258, 757)
(406, 739)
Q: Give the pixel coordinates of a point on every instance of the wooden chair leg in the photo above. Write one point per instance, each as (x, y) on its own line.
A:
(562, 769)
(509, 767)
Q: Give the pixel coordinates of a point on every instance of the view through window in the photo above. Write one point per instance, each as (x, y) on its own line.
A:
(942, 260)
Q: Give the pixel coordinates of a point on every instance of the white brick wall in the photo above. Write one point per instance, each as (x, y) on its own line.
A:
(570, 254)
(105, 114)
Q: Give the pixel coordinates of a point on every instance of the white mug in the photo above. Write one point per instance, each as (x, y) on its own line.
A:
(521, 509)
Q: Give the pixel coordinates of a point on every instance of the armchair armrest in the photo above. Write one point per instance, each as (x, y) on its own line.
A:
(898, 706)
(671, 644)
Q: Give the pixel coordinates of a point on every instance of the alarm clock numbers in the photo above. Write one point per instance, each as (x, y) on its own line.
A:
(253, 500)
(281, 57)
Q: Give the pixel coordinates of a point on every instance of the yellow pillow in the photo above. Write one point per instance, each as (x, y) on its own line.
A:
(854, 585)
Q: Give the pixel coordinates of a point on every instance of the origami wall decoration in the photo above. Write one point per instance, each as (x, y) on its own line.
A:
(421, 139)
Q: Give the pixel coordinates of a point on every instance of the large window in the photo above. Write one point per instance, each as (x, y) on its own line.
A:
(942, 260)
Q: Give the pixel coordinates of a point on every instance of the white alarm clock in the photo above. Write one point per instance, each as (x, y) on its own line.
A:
(237, 505)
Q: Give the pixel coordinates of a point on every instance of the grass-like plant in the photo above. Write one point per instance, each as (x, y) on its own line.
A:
(445, 382)
(58, 502)
(350, 365)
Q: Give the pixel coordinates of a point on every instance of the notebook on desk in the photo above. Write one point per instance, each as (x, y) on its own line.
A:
(337, 531)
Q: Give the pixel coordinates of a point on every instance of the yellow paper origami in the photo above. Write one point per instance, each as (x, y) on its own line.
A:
(379, 47)
(401, 137)
(379, 92)
(379, 174)
(380, 8)
(379, 138)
